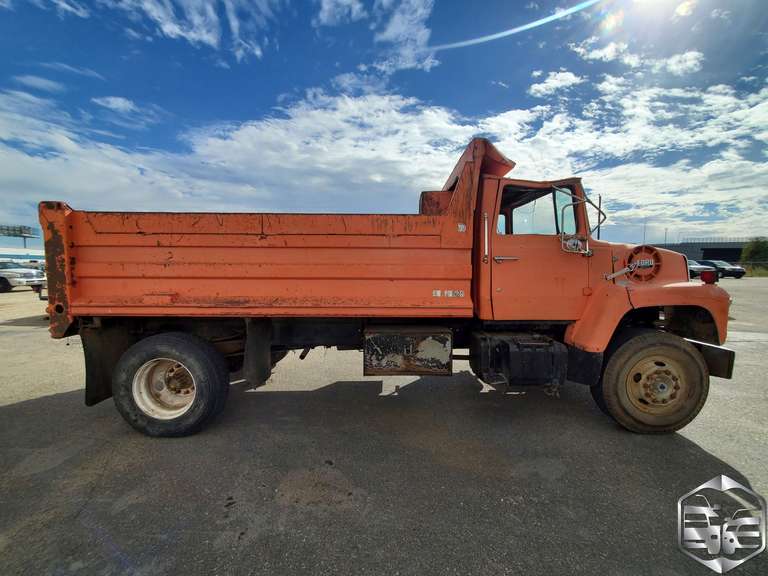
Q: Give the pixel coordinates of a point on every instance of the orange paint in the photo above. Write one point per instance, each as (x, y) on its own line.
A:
(441, 263)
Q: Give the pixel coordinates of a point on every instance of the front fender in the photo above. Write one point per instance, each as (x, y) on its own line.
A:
(609, 303)
(605, 308)
(710, 297)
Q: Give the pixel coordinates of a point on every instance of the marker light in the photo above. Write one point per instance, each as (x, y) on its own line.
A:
(709, 276)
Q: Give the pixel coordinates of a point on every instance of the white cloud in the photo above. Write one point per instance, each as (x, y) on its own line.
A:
(499, 83)
(6, 4)
(359, 82)
(375, 152)
(238, 25)
(681, 64)
(554, 82)
(126, 113)
(116, 104)
(677, 64)
(608, 53)
(136, 35)
(404, 29)
(39, 83)
(334, 12)
(537, 73)
(719, 13)
(62, 67)
(71, 7)
(399, 27)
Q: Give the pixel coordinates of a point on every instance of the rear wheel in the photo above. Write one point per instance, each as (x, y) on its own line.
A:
(170, 384)
(654, 382)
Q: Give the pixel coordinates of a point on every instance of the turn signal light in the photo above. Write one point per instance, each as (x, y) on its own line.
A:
(709, 276)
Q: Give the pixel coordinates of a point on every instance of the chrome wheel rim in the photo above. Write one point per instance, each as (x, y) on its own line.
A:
(164, 388)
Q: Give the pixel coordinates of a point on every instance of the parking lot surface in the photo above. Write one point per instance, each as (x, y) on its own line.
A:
(324, 471)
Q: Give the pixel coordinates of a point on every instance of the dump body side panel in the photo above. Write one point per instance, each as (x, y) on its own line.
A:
(148, 264)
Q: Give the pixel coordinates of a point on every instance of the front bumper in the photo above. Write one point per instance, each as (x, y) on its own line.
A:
(719, 360)
(25, 281)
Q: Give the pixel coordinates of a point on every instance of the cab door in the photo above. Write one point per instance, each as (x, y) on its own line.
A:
(532, 278)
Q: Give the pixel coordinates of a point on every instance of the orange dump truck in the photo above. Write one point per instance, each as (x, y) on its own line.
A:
(170, 305)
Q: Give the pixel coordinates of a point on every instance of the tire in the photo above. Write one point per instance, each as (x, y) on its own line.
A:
(653, 382)
(5, 286)
(170, 384)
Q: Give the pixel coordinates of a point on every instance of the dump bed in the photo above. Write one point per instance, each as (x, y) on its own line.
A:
(207, 264)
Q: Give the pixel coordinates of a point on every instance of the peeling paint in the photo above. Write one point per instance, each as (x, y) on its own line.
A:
(392, 350)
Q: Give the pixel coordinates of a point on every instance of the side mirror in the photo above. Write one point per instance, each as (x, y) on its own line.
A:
(571, 244)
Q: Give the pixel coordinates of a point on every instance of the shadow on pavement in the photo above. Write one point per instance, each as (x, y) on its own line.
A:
(36, 321)
(439, 478)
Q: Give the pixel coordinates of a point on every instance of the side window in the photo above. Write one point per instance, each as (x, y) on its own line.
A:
(566, 217)
(535, 211)
(534, 217)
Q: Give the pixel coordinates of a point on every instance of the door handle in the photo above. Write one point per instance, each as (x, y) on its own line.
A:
(500, 259)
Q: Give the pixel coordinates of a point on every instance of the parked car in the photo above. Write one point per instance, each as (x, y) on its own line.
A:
(13, 274)
(42, 290)
(724, 269)
(696, 268)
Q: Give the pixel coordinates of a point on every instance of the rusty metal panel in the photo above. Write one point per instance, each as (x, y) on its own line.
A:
(59, 266)
(399, 350)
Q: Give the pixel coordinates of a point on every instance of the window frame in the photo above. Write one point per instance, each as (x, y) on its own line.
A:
(550, 190)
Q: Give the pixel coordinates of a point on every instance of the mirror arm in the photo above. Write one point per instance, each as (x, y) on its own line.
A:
(601, 215)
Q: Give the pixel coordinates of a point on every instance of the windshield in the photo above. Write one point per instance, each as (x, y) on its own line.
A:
(721, 262)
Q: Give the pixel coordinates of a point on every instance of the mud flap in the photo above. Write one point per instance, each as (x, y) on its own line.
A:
(102, 348)
(257, 364)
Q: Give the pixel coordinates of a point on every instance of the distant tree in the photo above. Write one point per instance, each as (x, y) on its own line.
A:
(756, 250)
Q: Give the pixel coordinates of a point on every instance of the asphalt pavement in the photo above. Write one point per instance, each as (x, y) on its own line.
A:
(324, 471)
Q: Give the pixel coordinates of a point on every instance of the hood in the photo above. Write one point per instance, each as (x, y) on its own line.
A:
(666, 266)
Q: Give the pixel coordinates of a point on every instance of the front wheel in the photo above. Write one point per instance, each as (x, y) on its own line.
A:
(170, 384)
(654, 383)
(5, 286)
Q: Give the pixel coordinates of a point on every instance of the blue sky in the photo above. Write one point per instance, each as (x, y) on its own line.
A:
(346, 105)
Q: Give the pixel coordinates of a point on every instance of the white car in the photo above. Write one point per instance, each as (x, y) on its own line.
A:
(13, 274)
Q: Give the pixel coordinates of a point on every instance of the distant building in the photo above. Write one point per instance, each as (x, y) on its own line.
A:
(728, 249)
(22, 254)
